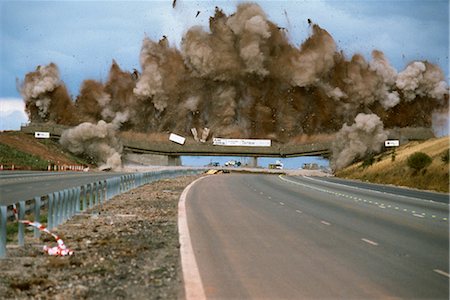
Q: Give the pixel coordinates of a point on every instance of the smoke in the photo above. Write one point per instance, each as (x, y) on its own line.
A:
(366, 135)
(243, 78)
(98, 142)
(38, 90)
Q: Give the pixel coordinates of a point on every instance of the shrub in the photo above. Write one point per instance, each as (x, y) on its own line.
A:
(418, 161)
(368, 160)
(444, 156)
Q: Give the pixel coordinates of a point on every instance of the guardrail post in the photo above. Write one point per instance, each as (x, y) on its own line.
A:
(65, 214)
(59, 208)
(50, 212)
(21, 233)
(3, 231)
(91, 194)
(84, 195)
(77, 199)
(37, 215)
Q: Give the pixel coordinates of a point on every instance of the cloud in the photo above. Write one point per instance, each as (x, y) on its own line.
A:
(12, 113)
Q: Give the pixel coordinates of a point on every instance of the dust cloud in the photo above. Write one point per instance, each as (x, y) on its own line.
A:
(243, 78)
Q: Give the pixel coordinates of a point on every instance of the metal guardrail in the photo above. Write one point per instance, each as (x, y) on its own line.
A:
(64, 204)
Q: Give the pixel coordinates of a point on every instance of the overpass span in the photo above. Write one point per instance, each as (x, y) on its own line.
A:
(192, 148)
(172, 151)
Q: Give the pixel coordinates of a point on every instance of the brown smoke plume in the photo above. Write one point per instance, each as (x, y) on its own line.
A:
(244, 78)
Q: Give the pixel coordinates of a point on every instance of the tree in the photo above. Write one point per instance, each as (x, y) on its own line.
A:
(419, 161)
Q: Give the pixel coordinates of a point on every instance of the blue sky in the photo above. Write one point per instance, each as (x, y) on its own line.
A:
(83, 37)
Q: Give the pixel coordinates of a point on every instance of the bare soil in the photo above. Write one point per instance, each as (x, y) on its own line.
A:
(126, 249)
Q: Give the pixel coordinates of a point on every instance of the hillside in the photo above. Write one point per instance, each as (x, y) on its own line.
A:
(28, 153)
(435, 177)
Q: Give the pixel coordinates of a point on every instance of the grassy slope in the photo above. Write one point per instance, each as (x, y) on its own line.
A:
(27, 152)
(435, 177)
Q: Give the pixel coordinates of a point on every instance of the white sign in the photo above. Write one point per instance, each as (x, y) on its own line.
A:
(241, 142)
(391, 143)
(177, 138)
(42, 135)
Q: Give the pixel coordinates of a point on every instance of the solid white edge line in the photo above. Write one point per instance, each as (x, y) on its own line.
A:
(193, 286)
(370, 242)
(442, 272)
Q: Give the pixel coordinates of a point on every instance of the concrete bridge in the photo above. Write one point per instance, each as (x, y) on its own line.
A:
(169, 153)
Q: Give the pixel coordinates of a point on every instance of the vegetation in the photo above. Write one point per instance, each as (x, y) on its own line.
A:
(444, 156)
(12, 156)
(418, 161)
(384, 170)
(368, 161)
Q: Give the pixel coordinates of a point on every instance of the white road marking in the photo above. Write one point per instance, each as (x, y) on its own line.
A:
(417, 215)
(370, 242)
(325, 223)
(442, 272)
(193, 286)
(370, 190)
(299, 211)
(269, 197)
(281, 203)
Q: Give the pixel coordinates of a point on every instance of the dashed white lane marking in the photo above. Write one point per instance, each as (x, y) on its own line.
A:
(379, 204)
(442, 272)
(374, 191)
(193, 286)
(370, 242)
(325, 223)
(281, 203)
(299, 211)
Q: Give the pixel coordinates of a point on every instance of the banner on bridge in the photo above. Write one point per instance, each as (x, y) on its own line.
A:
(242, 142)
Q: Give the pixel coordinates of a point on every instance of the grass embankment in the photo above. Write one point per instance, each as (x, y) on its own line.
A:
(28, 153)
(435, 177)
(10, 156)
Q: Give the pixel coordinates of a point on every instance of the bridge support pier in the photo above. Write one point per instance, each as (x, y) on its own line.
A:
(174, 160)
(254, 162)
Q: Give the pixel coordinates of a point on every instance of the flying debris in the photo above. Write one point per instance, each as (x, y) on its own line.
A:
(242, 78)
(135, 75)
(198, 12)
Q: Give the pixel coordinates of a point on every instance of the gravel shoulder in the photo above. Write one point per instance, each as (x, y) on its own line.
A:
(126, 249)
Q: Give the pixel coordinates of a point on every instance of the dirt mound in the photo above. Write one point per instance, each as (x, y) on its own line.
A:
(388, 171)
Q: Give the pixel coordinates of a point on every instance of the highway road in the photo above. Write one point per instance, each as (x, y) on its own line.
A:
(24, 185)
(272, 237)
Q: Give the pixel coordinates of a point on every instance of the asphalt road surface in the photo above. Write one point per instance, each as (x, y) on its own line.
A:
(24, 185)
(272, 237)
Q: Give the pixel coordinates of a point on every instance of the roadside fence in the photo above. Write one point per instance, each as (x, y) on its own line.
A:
(59, 206)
